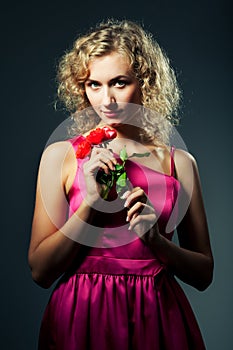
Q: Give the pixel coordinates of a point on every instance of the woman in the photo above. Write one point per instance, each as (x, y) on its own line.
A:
(115, 255)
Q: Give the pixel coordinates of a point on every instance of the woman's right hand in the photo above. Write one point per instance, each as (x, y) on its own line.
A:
(101, 159)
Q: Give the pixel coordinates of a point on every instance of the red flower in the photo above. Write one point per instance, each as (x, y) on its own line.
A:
(96, 136)
(83, 150)
(109, 133)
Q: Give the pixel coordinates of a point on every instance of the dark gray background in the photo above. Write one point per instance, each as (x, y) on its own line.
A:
(198, 38)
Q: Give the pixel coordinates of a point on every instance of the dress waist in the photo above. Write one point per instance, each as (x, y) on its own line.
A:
(119, 266)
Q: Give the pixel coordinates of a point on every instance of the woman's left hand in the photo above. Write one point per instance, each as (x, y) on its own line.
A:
(141, 214)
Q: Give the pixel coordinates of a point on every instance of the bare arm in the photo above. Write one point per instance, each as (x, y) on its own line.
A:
(51, 251)
(192, 261)
(55, 239)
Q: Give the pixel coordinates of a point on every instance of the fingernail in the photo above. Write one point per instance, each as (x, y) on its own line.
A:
(129, 228)
(125, 194)
(127, 218)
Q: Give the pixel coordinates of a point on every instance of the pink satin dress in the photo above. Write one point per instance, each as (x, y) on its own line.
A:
(119, 296)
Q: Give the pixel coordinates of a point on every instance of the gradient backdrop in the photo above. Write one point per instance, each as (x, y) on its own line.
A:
(197, 36)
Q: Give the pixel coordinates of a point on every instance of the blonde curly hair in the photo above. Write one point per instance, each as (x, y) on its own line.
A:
(149, 63)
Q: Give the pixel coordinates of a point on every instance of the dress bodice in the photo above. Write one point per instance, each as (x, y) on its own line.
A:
(115, 239)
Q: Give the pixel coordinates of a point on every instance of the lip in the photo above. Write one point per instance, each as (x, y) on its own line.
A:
(111, 114)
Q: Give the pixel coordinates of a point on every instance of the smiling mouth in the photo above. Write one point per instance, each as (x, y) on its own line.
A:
(111, 114)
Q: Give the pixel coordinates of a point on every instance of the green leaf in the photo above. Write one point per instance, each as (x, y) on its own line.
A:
(123, 154)
(121, 181)
(140, 155)
(122, 186)
(105, 192)
(119, 167)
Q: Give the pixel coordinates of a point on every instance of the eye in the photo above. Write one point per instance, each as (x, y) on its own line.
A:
(94, 85)
(120, 83)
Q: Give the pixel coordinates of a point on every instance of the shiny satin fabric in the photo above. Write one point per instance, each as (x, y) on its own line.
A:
(118, 296)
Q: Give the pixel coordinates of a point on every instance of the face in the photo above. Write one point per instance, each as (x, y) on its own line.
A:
(111, 86)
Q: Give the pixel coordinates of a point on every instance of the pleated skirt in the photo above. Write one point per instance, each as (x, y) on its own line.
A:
(119, 304)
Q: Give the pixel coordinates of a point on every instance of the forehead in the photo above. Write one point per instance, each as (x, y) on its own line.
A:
(108, 66)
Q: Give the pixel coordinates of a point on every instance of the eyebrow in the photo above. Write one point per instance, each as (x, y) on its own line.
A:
(113, 79)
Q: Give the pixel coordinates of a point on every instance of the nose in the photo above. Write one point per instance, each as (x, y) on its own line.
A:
(108, 99)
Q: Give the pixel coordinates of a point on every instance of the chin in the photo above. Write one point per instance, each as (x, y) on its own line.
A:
(115, 124)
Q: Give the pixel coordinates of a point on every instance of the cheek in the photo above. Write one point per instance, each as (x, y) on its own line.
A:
(91, 97)
(135, 96)
(127, 95)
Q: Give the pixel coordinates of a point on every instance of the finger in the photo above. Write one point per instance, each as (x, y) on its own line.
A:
(108, 161)
(125, 195)
(135, 209)
(146, 222)
(105, 156)
(133, 217)
(111, 163)
(101, 165)
(92, 166)
(104, 151)
(135, 195)
(134, 222)
(140, 208)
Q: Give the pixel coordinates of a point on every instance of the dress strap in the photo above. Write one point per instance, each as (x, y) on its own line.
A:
(172, 161)
(75, 141)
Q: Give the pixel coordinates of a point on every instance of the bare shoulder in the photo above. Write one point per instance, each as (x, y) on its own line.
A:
(57, 150)
(61, 152)
(186, 164)
(59, 158)
(183, 157)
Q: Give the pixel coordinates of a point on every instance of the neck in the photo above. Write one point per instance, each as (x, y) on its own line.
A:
(128, 132)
